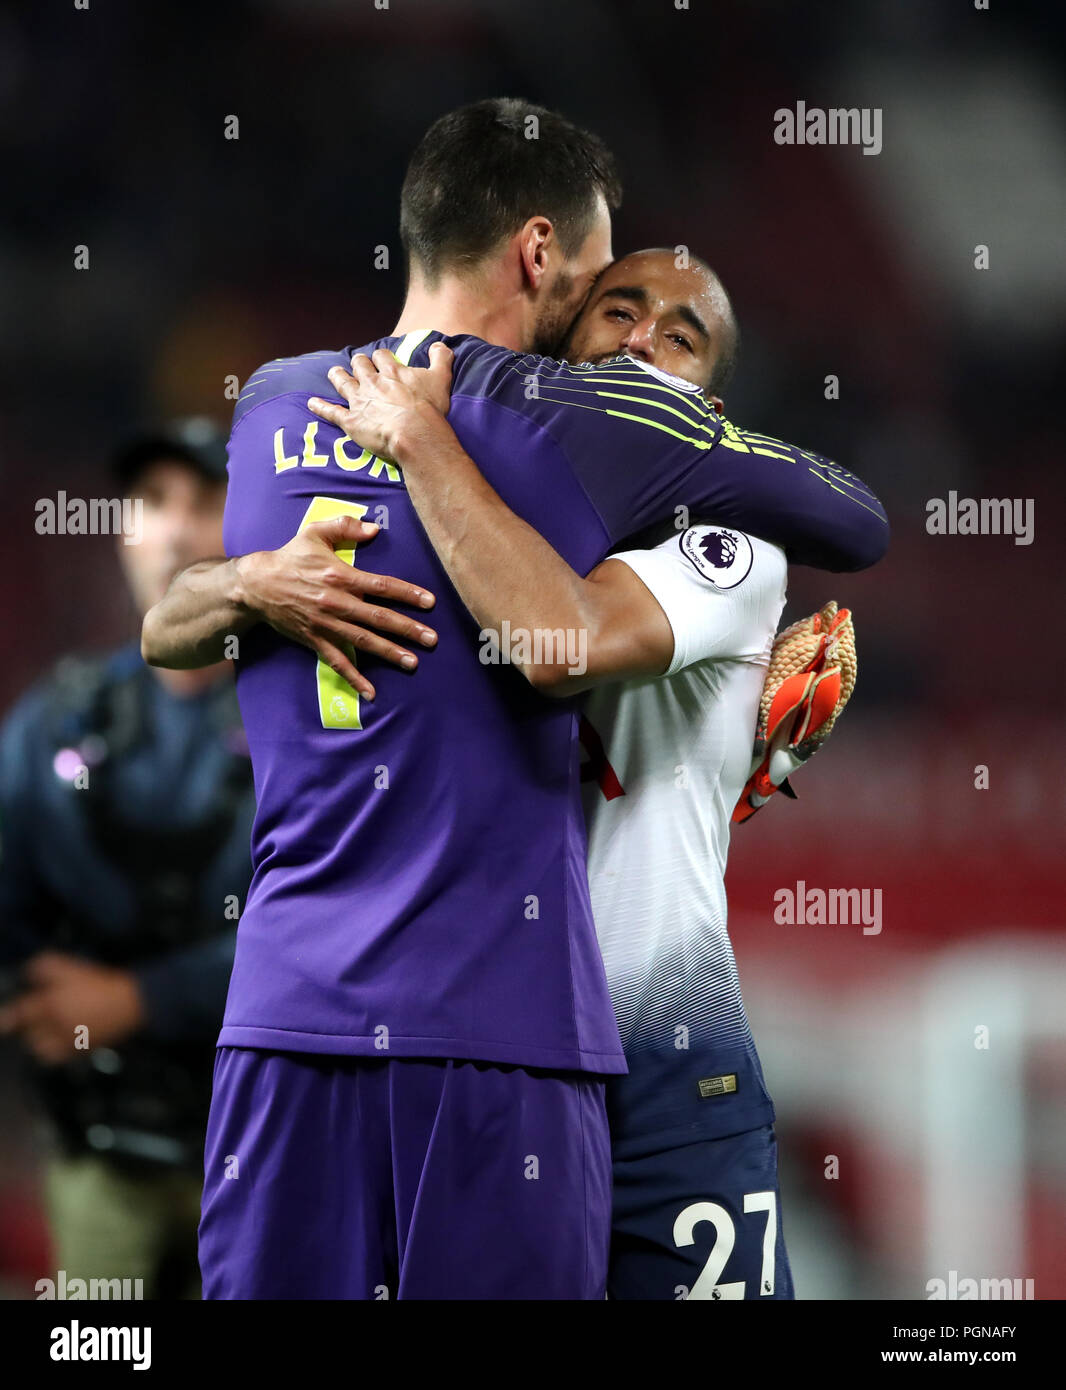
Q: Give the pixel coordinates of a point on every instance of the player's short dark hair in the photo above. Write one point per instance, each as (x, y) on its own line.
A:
(482, 171)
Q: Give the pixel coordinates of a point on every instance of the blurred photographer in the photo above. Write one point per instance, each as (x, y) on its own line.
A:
(126, 804)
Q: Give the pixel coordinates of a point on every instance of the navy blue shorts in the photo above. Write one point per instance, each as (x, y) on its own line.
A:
(356, 1178)
(700, 1220)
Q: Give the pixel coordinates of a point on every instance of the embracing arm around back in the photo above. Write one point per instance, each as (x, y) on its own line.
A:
(508, 576)
(304, 591)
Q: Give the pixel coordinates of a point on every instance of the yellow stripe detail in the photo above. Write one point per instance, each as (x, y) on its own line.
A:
(697, 403)
(848, 495)
(656, 425)
(658, 405)
(772, 454)
(405, 351)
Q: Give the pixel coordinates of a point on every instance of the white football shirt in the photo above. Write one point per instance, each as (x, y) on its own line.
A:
(667, 760)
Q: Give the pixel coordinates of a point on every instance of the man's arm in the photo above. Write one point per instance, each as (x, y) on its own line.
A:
(641, 445)
(45, 995)
(190, 624)
(502, 569)
(304, 591)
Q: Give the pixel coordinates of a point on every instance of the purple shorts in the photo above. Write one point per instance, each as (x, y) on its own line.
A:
(359, 1178)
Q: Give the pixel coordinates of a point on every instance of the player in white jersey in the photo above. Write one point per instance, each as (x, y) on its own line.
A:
(687, 623)
(695, 1211)
(676, 756)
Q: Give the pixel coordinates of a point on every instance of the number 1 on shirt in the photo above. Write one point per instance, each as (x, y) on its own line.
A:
(338, 703)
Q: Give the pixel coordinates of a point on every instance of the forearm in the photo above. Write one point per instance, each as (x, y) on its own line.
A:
(566, 632)
(204, 605)
(503, 570)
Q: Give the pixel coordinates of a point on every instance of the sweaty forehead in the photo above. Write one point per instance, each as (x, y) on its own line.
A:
(658, 274)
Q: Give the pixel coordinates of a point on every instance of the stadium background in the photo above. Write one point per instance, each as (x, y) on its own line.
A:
(210, 255)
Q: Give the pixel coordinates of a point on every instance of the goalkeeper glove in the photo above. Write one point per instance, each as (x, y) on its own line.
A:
(809, 681)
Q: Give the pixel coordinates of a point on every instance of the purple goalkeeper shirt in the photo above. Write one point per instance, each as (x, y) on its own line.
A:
(419, 879)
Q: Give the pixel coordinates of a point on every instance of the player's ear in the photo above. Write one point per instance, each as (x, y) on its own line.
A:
(718, 404)
(536, 240)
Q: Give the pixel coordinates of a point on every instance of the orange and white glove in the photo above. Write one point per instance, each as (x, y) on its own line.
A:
(809, 681)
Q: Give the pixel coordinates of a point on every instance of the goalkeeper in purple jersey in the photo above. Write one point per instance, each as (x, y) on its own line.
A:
(409, 1092)
(677, 640)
